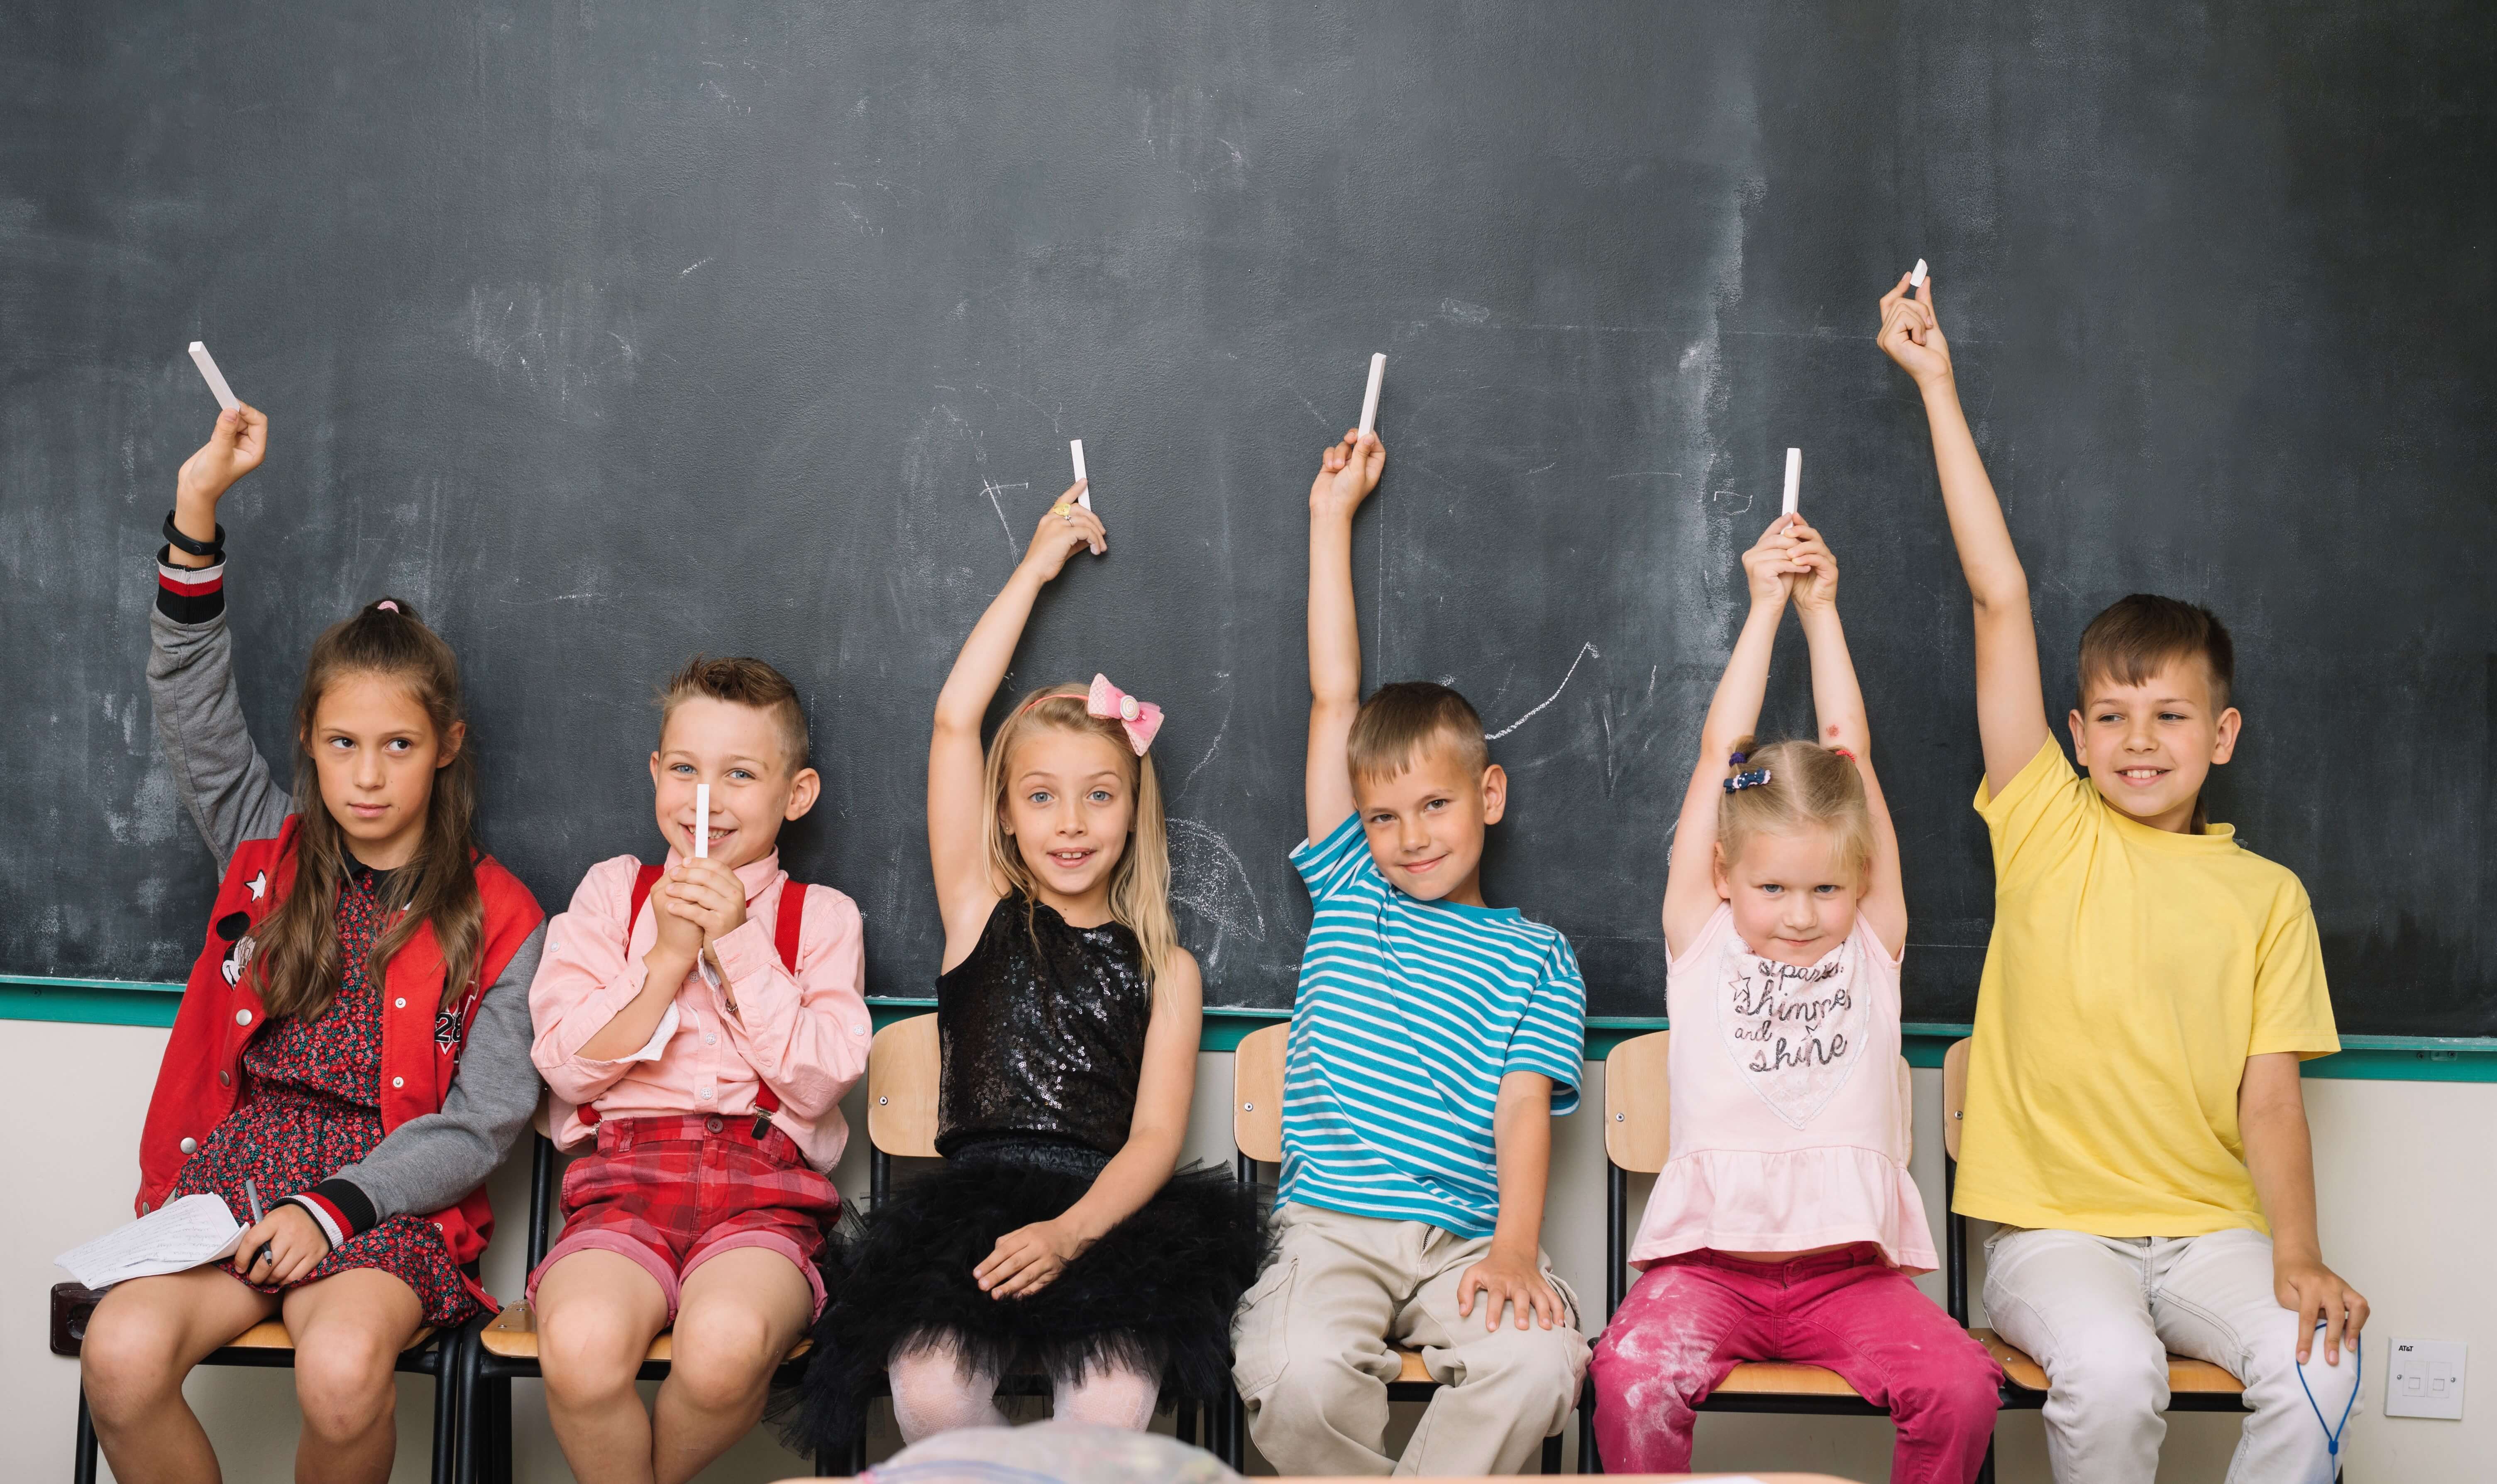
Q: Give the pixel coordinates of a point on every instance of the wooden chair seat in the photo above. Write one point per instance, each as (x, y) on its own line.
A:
(2184, 1377)
(1780, 1378)
(271, 1334)
(514, 1335)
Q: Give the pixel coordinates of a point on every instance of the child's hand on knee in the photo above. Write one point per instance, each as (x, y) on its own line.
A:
(280, 1248)
(2319, 1297)
(1027, 1259)
(1505, 1280)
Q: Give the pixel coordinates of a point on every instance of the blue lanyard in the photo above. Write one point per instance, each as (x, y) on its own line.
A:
(2332, 1433)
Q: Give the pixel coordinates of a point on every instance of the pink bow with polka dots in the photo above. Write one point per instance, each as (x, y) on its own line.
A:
(1141, 718)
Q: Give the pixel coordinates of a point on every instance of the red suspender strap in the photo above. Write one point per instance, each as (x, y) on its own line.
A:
(785, 933)
(643, 880)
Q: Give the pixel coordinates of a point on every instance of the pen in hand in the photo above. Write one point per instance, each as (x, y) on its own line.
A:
(251, 1193)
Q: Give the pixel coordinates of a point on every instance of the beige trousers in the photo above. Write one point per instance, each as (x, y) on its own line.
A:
(1312, 1352)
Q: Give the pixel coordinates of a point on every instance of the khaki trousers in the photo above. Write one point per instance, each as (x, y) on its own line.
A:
(1311, 1347)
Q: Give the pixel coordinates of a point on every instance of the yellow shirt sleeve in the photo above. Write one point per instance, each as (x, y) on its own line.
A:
(2292, 1004)
(2035, 820)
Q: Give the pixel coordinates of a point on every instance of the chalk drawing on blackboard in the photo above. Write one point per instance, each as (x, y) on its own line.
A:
(1208, 878)
(992, 488)
(1585, 651)
(1220, 727)
(1722, 501)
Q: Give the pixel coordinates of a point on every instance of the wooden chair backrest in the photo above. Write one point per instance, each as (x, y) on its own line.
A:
(1638, 1124)
(1257, 1094)
(902, 1064)
(1954, 1093)
(1637, 1128)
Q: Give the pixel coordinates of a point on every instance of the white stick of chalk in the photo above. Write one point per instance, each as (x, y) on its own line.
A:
(1369, 397)
(702, 821)
(1916, 279)
(1075, 445)
(1794, 479)
(216, 379)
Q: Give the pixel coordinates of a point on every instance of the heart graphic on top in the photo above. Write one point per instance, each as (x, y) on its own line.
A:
(1796, 1033)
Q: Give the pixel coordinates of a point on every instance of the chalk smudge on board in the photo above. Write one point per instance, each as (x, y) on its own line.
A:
(1208, 878)
(1584, 650)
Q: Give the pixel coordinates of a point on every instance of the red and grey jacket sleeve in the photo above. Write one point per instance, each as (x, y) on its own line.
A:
(427, 1164)
(219, 776)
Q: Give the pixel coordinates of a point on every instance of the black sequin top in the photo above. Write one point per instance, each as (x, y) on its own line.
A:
(1043, 1032)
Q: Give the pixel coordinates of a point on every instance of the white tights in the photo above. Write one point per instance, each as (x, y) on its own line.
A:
(934, 1392)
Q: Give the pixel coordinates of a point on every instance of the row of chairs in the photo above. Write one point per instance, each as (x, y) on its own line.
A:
(473, 1367)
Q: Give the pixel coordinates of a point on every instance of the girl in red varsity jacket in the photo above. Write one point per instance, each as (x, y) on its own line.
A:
(699, 1021)
(352, 1049)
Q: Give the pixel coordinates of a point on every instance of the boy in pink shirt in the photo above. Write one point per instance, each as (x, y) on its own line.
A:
(701, 1020)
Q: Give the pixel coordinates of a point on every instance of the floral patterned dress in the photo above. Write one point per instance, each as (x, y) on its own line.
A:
(310, 1104)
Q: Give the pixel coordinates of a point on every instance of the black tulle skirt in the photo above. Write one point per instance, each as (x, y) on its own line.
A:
(1156, 1294)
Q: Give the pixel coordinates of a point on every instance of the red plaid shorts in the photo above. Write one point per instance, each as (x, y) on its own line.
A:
(672, 1193)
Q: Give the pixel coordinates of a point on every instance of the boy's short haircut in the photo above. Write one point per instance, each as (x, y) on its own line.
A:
(2138, 635)
(1402, 718)
(740, 681)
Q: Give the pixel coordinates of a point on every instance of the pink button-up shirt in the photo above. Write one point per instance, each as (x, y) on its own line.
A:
(805, 1034)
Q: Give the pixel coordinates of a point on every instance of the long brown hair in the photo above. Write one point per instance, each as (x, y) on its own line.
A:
(295, 959)
(1140, 883)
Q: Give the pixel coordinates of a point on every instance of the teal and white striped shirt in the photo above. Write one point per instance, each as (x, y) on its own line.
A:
(1410, 1013)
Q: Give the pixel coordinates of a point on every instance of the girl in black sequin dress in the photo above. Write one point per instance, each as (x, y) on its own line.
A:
(1055, 1234)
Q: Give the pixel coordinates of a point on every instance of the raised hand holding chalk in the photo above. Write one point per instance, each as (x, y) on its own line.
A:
(1814, 588)
(1769, 568)
(1912, 335)
(1065, 527)
(1347, 471)
(234, 448)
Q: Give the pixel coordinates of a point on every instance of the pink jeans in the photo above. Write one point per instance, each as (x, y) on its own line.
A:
(1690, 1319)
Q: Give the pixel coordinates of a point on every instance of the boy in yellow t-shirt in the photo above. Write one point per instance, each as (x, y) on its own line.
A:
(2134, 1117)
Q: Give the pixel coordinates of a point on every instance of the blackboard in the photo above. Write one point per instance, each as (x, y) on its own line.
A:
(608, 334)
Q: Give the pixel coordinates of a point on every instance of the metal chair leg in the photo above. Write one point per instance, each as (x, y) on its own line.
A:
(83, 1459)
(449, 1354)
(1235, 1433)
(1587, 1462)
(1552, 1454)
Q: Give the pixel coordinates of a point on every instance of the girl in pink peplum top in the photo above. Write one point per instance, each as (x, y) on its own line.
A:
(1785, 1224)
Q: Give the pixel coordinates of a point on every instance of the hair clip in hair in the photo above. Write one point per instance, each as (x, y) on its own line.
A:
(387, 606)
(1140, 719)
(1735, 758)
(1843, 752)
(1742, 780)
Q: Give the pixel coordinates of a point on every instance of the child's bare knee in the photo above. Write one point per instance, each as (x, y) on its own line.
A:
(589, 1353)
(345, 1380)
(722, 1358)
(128, 1362)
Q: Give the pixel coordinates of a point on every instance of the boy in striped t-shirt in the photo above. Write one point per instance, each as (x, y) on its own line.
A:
(1432, 1041)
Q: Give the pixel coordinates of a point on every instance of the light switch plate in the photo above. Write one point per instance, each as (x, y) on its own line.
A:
(2426, 1378)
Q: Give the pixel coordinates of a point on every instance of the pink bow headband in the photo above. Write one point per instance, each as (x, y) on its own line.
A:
(1140, 719)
